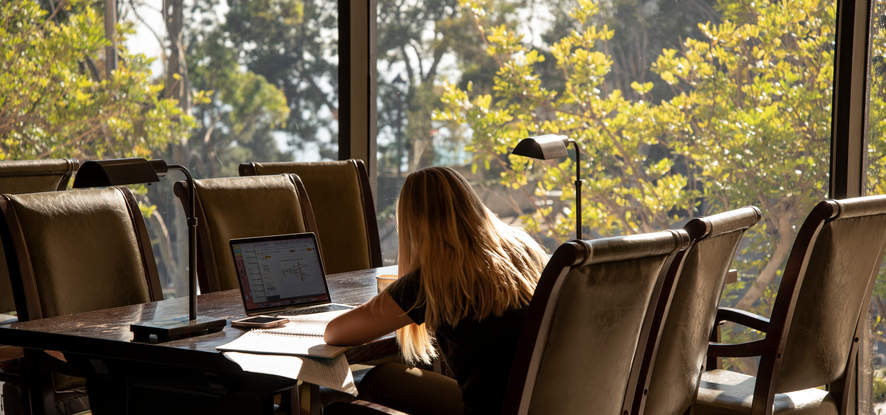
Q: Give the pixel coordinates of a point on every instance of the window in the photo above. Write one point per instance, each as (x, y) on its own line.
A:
(208, 84)
(680, 111)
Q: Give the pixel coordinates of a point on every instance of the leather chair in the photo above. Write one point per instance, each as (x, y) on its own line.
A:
(71, 252)
(237, 207)
(811, 338)
(343, 206)
(588, 324)
(23, 176)
(587, 327)
(29, 176)
(689, 318)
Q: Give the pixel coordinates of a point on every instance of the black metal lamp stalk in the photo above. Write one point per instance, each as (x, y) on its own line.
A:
(114, 172)
(550, 147)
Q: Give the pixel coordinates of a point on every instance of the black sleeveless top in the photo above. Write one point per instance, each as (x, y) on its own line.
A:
(479, 353)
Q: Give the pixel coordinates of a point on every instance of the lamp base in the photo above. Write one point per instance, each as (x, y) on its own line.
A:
(159, 331)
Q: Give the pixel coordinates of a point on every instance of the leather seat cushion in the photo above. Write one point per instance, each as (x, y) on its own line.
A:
(726, 392)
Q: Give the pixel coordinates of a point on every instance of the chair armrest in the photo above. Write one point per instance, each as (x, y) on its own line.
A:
(742, 317)
(754, 348)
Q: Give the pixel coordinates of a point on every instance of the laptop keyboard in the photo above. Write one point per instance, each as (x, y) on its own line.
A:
(322, 308)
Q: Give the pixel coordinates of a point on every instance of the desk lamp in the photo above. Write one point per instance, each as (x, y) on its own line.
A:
(114, 172)
(550, 147)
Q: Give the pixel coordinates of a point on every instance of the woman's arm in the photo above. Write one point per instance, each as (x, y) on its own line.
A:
(379, 316)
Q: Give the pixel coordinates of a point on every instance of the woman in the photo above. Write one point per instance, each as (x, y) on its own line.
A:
(466, 279)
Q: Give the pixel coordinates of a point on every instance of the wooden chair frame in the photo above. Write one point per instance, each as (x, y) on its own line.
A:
(771, 348)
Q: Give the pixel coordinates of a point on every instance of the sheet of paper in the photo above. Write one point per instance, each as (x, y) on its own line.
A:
(331, 373)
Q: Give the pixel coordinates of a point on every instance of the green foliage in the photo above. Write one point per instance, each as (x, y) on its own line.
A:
(293, 45)
(56, 102)
(747, 122)
(628, 186)
(240, 109)
(879, 388)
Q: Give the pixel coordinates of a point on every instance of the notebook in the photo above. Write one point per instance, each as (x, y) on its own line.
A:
(282, 274)
(302, 336)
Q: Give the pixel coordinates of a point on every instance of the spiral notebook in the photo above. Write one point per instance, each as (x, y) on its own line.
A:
(302, 336)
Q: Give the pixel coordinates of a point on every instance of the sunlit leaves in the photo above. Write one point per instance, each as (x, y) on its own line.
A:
(58, 102)
(747, 122)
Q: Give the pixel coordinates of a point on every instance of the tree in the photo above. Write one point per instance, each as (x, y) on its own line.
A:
(239, 110)
(747, 123)
(753, 103)
(55, 101)
(628, 188)
(293, 44)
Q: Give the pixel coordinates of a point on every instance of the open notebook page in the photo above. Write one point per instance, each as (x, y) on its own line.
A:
(302, 336)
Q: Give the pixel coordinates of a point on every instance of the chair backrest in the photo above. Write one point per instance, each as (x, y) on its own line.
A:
(343, 206)
(29, 176)
(823, 295)
(239, 207)
(697, 281)
(76, 251)
(588, 317)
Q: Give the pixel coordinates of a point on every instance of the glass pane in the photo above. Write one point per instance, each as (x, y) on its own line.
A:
(262, 80)
(680, 110)
(215, 84)
(875, 184)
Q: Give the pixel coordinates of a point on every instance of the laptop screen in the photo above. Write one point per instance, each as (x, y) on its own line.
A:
(279, 271)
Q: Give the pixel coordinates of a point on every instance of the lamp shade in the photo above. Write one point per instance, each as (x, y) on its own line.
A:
(549, 147)
(114, 172)
(544, 147)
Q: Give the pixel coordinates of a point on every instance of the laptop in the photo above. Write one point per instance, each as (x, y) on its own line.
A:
(282, 274)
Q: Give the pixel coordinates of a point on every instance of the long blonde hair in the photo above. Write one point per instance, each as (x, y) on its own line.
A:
(472, 264)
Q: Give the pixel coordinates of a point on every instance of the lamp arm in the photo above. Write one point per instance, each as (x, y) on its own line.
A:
(192, 240)
(578, 183)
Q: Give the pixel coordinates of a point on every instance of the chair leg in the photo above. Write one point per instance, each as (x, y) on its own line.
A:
(710, 361)
(15, 399)
(289, 401)
(307, 399)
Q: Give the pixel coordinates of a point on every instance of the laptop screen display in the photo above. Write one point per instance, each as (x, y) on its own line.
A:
(279, 271)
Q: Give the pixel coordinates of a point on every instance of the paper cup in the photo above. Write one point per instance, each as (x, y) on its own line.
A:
(384, 281)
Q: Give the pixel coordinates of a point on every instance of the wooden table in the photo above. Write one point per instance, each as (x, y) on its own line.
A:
(125, 376)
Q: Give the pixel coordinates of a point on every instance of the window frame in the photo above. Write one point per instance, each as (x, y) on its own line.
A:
(358, 84)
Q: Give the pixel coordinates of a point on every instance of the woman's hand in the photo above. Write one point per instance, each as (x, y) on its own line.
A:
(379, 316)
